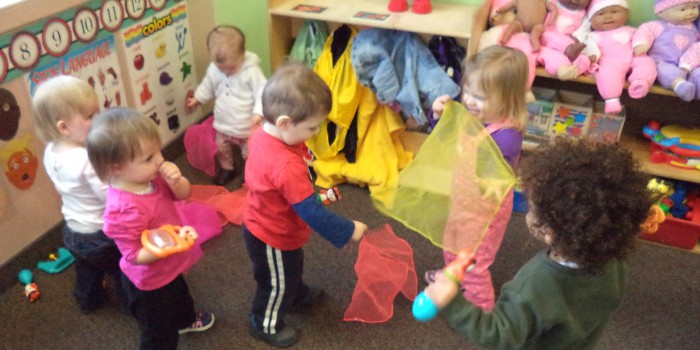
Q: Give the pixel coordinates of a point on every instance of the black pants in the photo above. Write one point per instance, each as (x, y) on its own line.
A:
(161, 313)
(278, 275)
(96, 255)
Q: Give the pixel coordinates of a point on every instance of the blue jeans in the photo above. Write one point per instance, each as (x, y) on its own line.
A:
(96, 255)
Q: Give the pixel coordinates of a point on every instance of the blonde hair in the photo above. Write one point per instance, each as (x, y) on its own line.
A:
(116, 137)
(224, 42)
(56, 99)
(502, 74)
(296, 91)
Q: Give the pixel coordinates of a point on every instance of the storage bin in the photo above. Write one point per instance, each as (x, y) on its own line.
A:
(675, 232)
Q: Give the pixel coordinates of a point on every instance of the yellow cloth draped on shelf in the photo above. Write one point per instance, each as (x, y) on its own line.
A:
(452, 190)
(380, 154)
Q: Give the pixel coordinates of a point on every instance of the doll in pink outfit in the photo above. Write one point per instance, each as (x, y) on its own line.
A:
(501, 15)
(666, 39)
(563, 38)
(610, 46)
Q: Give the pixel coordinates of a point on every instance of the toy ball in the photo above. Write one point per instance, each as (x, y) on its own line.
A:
(424, 309)
(26, 276)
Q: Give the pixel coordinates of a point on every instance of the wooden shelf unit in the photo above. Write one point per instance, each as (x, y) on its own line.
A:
(453, 20)
(457, 20)
(587, 79)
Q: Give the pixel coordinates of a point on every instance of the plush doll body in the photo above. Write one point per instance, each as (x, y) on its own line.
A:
(530, 18)
(501, 15)
(610, 46)
(563, 38)
(665, 40)
(690, 61)
(565, 33)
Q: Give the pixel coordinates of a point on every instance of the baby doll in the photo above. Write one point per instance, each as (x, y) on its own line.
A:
(501, 13)
(666, 39)
(610, 46)
(530, 18)
(563, 33)
(563, 38)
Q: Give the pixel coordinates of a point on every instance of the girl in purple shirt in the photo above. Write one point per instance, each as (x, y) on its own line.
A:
(494, 85)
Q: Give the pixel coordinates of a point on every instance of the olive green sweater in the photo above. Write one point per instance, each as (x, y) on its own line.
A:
(546, 306)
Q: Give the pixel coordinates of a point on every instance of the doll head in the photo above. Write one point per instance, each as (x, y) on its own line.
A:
(677, 11)
(608, 14)
(575, 4)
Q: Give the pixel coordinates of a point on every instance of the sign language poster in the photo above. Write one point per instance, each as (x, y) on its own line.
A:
(96, 63)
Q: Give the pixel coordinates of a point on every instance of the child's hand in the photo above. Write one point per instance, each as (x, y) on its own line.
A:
(442, 291)
(360, 230)
(256, 120)
(439, 105)
(170, 172)
(192, 102)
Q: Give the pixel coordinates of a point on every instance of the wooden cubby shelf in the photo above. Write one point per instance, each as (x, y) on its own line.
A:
(458, 21)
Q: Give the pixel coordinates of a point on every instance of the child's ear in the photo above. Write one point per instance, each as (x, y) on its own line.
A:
(62, 127)
(549, 236)
(114, 169)
(283, 122)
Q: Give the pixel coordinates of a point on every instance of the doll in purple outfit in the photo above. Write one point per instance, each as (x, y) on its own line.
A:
(666, 39)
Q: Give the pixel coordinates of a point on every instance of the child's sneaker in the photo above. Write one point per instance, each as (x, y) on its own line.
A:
(312, 297)
(202, 322)
(282, 339)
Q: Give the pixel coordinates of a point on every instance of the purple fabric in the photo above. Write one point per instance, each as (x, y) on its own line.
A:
(510, 142)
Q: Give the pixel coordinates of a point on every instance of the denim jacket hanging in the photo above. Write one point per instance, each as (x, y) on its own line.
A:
(400, 68)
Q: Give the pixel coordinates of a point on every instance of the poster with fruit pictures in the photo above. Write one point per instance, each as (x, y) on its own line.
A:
(96, 63)
(160, 61)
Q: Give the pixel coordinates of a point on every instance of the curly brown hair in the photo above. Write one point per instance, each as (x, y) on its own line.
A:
(592, 195)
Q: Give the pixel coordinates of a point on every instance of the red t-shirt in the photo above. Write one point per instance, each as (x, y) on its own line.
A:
(277, 178)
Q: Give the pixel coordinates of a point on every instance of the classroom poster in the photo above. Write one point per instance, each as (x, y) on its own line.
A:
(97, 64)
(160, 61)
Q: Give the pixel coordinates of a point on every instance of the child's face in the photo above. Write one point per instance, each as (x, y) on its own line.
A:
(231, 65)
(533, 224)
(144, 167)
(474, 98)
(293, 134)
(609, 18)
(75, 126)
(680, 14)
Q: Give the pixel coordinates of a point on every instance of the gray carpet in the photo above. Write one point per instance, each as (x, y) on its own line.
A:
(661, 309)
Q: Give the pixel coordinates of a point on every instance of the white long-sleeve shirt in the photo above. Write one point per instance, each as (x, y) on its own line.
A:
(238, 96)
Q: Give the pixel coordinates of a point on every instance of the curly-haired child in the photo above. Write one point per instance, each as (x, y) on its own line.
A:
(587, 202)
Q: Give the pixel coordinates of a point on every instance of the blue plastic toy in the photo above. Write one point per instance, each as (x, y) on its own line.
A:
(424, 309)
(26, 276)
(57, 263)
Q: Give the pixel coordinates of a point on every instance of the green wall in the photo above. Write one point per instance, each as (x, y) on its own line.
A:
(251, 17)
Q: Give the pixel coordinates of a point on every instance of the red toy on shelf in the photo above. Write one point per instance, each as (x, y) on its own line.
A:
(419, 6)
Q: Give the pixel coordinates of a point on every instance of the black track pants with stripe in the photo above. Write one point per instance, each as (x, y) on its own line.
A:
(278, 275)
